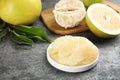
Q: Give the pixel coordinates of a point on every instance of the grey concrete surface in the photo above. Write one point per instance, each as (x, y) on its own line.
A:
(22, 62)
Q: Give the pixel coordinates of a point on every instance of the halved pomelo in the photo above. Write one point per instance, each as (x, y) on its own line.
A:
(103, 21)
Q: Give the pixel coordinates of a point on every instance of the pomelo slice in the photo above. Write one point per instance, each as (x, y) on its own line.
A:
(103, 21)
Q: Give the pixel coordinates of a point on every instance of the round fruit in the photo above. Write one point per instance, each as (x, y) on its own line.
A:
(103, 21)
(20, 11)
(69, 13)
(87, 3)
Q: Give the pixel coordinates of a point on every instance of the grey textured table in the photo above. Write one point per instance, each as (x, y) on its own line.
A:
(22, 62)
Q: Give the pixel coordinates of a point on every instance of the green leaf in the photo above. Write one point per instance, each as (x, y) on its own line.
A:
(21, 39)
(3, 33)
(33, 31)
(28, 35)
(2, 24)
(33, 36)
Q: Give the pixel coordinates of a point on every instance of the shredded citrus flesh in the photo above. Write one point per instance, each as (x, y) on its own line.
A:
(73, 51)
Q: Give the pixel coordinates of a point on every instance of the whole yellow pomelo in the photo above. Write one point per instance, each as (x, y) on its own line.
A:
(20, 11)
(87, 3)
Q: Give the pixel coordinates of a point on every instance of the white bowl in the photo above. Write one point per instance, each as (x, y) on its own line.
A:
(72, 69)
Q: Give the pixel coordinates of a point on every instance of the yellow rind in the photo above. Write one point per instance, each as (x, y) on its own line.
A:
(22, 12)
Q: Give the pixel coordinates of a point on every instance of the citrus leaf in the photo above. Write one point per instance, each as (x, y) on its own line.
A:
(3, 33)
(29, 36)
(33, 36)
(19, 32)
(33, 31)
(2, 24)
(21, 39)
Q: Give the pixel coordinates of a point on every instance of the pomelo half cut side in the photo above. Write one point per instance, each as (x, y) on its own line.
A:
(103, 21)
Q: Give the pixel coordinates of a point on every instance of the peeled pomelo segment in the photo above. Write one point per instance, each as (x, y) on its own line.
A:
(69, 13)
(70, 18)
(103, 21)
(68, 5)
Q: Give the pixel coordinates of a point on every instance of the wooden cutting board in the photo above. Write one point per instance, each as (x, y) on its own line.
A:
(49, 20)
